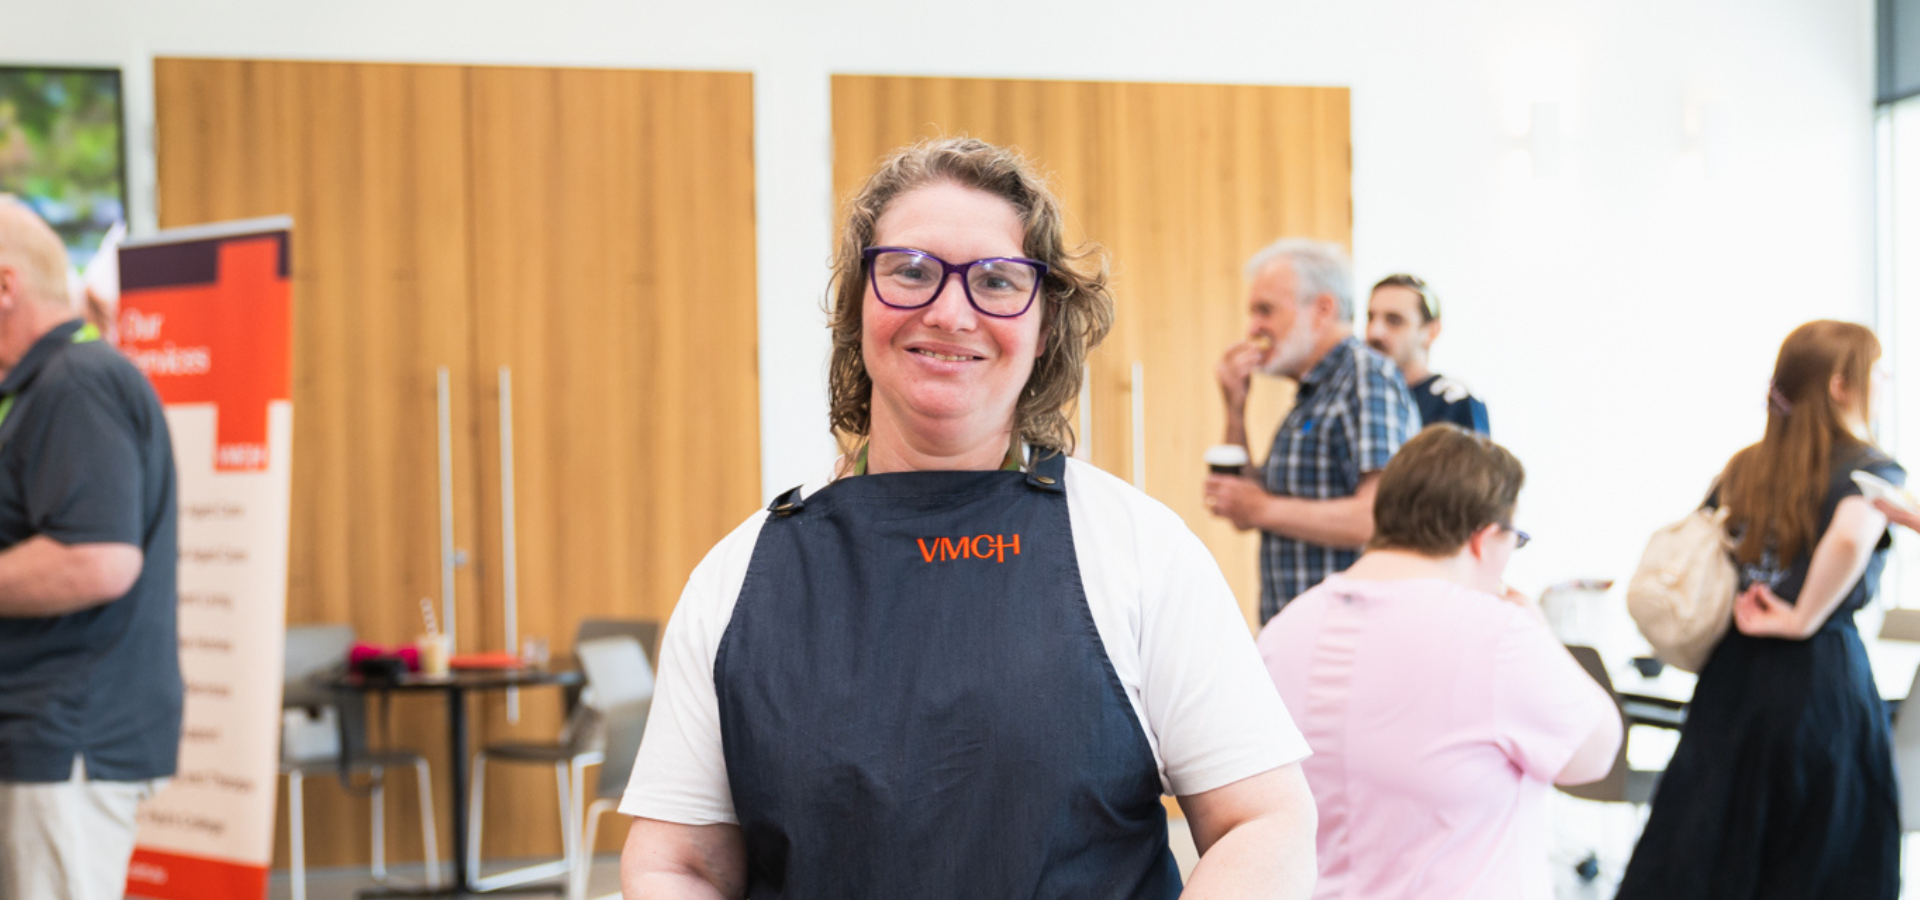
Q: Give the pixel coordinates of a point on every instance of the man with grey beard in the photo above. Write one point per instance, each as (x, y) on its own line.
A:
(1313, 498)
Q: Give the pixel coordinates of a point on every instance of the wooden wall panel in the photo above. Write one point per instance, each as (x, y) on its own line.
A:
(371, 164)
(614, 273)
(1180, 183)
(591, 229)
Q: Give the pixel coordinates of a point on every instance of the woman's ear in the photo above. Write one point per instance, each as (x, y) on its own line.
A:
(1849, 399)
(1477, 544)
(1488, 539)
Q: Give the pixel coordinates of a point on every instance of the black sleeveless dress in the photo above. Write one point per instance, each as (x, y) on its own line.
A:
(1782, 786)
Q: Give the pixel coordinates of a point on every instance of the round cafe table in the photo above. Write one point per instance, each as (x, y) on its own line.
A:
(456, 685)
(1599, 619)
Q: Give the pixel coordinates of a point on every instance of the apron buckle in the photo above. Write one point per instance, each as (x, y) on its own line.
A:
(1045, 472)
(787, 503)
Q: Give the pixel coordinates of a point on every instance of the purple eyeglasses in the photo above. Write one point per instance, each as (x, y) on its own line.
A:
(1000, 286)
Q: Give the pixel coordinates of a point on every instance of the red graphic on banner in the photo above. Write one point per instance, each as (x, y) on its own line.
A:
(224, 343)
(169, 876)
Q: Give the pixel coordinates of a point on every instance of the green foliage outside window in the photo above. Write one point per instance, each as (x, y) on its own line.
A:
(60, 150)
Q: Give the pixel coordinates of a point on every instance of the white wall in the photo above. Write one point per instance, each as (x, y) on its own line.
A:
(1620, 319)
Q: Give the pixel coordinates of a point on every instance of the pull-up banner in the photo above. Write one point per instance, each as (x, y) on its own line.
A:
(206, 314)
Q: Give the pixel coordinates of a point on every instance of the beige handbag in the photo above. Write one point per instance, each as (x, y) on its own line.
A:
(1681, 595)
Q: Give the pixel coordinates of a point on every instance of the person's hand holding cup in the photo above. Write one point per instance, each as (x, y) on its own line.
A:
(1226, 481)
(1227, 459)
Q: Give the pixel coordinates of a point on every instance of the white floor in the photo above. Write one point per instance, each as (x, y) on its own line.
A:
(1579, 827)
(342, 884)
(1609, 829)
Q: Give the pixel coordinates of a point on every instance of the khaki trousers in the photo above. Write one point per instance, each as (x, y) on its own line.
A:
(68, 840)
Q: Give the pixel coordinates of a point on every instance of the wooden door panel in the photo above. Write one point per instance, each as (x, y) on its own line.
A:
(370, 162)
(614, 267)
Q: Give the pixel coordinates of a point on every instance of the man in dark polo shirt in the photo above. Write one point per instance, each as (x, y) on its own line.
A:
(90, 690)
(1403, 319)
(1313, 499)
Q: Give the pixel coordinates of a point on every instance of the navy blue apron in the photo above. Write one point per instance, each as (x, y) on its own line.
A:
(914, 702)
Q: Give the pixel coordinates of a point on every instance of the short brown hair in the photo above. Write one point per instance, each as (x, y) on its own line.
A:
(1443, 486)
(1429, 301)
(1076, 308)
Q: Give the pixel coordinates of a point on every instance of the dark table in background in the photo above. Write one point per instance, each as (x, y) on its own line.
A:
(1662, 700)
(456, 685)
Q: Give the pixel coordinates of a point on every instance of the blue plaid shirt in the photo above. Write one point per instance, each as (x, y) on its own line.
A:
(1352, 414)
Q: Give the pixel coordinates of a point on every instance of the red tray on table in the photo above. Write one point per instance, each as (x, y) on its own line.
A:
(492, 659)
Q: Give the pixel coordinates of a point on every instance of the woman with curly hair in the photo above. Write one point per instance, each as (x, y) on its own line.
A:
(963, 665)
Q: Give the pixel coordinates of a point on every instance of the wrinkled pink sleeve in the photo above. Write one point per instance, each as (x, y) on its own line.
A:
(1545, 705)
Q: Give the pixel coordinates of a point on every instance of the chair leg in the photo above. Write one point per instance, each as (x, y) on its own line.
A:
(379, 800)
(583, 868)
(555, 868)
(568, 852)
(429, 838)
(582, 858)
(297, 833)
(476, 806)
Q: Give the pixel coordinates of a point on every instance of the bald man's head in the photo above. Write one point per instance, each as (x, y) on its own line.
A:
(34, 297)
(33, 261)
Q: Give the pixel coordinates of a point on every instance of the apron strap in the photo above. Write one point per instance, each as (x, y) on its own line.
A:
(787, 503)
(1044, 473)
(1048, 473)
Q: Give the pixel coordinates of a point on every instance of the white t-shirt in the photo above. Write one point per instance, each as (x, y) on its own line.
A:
(1165, 615)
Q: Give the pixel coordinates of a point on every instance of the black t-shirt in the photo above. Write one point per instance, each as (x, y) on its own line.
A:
(85, 457)
(1441, 399)
(1787, 577)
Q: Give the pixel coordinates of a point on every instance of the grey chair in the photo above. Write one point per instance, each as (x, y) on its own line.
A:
(1906, 756)
(622, 694)
(1900, 625)
(645, 631)
(578, 747)
(1623, 784)
(314, 655)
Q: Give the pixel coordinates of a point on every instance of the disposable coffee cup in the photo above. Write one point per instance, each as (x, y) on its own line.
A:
(436, 653)
(1226, 459)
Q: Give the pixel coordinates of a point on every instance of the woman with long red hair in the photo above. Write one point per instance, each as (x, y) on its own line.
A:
(1783, 783)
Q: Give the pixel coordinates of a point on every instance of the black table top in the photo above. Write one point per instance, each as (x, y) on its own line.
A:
(463, 679)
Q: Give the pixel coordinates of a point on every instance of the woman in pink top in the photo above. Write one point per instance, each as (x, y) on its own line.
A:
(1439, 707)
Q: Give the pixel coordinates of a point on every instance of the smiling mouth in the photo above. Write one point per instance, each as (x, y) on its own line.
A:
(945, 357)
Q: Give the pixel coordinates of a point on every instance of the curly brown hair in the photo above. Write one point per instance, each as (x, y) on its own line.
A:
(1076, 308)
